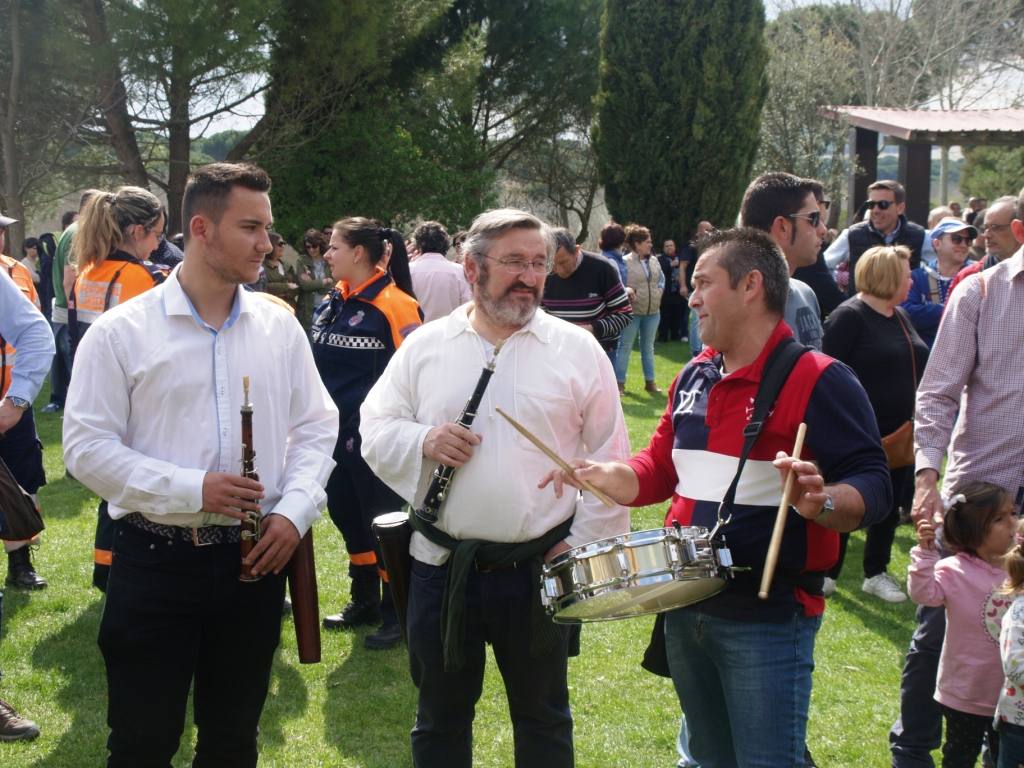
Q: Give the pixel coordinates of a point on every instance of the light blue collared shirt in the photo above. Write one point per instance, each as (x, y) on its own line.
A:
(24, 328)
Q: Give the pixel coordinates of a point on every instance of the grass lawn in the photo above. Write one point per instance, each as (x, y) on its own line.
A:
(356, 708)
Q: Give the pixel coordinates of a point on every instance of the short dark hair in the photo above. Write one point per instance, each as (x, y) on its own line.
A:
(564, 239)
(67, 219)
(612, 236)
(899, 194)
(208, 188)
(967, 521)
(744, 250)
(775, 194)
(29, 242)
(431, 237)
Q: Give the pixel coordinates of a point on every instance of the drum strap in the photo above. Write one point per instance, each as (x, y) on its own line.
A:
(776, 370)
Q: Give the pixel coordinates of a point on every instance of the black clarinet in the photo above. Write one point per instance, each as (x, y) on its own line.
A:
(442, 479)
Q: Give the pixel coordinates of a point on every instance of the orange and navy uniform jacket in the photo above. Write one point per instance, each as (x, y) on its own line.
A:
(113, 281)
(23, 279)
(692, 458)
(355, 332)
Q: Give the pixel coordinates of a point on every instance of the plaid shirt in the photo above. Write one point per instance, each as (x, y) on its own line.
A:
(976, 369)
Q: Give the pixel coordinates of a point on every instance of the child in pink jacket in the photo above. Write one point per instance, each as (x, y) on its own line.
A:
(979, 527)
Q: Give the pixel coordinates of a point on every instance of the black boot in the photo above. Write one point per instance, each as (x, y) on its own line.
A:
(20, 573)
(389, 634)
(364, 608)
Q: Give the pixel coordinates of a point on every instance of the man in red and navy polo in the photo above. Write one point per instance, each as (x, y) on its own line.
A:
(741, 665)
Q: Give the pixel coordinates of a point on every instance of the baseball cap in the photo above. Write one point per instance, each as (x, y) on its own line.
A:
(949, 225)
(5, 221)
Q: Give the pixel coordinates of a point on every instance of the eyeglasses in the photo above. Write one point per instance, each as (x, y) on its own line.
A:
(961, 239)
(516, 267)
(883, 205)
(995, 227)
(813, 217)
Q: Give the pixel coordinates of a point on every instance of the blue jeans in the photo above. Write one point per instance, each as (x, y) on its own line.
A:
(919, 728)
(1011, 745)
(647, 327)
(695, 343)
(745, 687)
(60, 370)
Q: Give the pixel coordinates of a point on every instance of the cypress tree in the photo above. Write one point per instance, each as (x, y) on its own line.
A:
(679, 109)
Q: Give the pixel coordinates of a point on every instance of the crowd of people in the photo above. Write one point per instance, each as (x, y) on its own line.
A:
(359, 359)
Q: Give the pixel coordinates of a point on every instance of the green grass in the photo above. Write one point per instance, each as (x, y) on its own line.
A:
(356, 707)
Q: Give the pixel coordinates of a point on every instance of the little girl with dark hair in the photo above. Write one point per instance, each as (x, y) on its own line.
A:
(1010, 709)
(979, 528)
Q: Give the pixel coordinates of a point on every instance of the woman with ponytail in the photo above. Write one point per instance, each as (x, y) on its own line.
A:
(355, 332)
(116, 233)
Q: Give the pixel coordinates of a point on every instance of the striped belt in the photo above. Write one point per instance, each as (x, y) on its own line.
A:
(200, 537)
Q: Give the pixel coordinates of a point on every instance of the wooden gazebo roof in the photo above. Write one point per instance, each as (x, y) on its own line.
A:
(940, 127)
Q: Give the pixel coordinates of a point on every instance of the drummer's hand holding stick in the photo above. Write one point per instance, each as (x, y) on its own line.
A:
(614, 479)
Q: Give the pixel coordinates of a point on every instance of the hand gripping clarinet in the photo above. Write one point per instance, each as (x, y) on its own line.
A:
(442, 479)
(301, 572)
(251, 524)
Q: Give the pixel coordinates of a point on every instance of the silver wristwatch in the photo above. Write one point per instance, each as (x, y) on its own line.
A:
(19, 402)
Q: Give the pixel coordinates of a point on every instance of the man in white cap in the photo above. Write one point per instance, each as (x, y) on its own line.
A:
(931, 286)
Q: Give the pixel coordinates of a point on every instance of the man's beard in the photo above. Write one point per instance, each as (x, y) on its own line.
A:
(505, 310)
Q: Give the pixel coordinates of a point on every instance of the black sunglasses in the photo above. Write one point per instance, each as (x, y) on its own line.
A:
(813, 217)
(961, 239)
(882, 204)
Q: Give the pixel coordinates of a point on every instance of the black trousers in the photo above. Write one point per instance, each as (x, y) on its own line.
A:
(672, 323)
(965, 734)
(176, 615)
(880, 536)
(498, 611)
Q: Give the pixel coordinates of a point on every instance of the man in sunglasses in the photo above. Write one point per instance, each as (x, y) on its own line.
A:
(931, 287)
(887, 224)
(787, 208)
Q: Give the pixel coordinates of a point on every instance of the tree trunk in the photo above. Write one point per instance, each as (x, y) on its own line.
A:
(179, 140)
(113, 97)
(10, 184)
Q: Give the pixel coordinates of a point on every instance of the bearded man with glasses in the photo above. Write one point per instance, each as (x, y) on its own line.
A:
(886, 224)
(474, 572)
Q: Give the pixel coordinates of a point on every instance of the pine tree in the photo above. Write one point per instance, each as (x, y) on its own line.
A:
(679, 109)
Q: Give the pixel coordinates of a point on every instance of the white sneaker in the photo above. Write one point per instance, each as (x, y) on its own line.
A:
(829, 587)
(884, 586)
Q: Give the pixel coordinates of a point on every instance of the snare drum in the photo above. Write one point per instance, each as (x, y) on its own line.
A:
(634, 574)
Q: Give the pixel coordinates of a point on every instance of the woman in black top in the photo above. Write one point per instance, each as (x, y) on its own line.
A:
(873, 335)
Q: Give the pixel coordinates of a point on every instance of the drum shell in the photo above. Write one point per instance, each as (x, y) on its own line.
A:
(631, 575)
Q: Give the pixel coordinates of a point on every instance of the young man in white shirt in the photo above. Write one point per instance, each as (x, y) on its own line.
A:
(555, 379)
(152, 426)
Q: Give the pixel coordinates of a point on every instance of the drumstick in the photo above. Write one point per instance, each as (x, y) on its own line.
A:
(555, 458)
(780, 520)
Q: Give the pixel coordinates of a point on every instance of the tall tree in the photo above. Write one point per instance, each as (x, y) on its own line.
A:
(679, 109)
(809, 66)
(37, 56)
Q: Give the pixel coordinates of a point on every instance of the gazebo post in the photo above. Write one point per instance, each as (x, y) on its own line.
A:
(915, 174)
(863, 149)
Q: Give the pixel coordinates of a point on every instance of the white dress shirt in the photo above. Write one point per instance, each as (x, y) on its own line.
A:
(551, 376)
(440, 285)
(154, 405)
